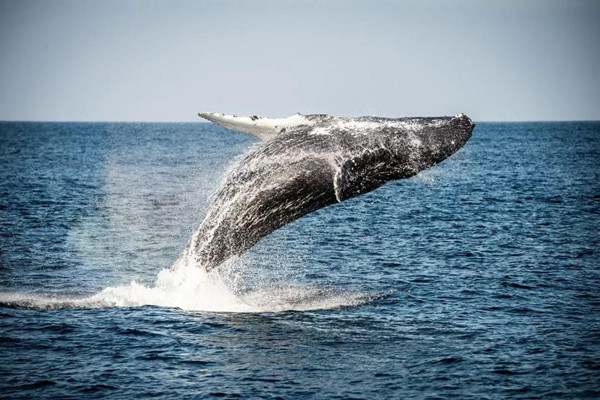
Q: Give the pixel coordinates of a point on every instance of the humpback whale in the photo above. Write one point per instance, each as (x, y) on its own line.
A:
(307, 162)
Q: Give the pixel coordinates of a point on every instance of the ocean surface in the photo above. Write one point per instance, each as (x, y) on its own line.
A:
(476, 279)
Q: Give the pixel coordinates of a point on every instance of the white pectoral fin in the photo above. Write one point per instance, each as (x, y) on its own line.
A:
(262, 128)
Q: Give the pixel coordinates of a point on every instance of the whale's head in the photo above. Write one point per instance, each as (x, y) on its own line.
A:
(397, 149)
(410, 145)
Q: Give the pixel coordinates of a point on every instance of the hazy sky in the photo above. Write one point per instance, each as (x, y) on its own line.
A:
(167, 60)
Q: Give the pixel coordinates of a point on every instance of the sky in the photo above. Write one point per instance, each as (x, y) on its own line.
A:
(152, 60)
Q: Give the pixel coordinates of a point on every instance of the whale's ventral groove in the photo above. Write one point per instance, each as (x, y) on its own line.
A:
(307, 162)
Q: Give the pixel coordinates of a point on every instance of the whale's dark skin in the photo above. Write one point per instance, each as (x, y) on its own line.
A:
(308, 167)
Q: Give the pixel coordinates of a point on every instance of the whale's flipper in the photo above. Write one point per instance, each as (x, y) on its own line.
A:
(262, 128)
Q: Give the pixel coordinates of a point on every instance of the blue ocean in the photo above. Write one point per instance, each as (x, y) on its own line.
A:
(476, 279)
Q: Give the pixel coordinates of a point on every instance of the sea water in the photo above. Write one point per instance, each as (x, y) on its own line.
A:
(478, 278)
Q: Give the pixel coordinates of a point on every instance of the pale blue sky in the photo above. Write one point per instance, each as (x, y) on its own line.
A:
(167, 60)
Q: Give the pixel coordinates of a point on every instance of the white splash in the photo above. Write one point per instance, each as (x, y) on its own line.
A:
(189, 287)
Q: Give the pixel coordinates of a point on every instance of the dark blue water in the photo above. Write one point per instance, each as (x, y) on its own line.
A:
(479, 278)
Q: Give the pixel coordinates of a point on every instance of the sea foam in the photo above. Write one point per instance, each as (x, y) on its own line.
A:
(190, 287)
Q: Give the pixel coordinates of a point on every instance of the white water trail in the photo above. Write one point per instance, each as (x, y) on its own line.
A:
(189, 287)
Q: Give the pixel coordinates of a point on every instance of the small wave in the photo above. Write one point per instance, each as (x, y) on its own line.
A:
(191, 288)
(42, 302)
(305, 298)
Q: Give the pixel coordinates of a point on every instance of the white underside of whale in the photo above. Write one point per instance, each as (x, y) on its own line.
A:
(261, 127)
